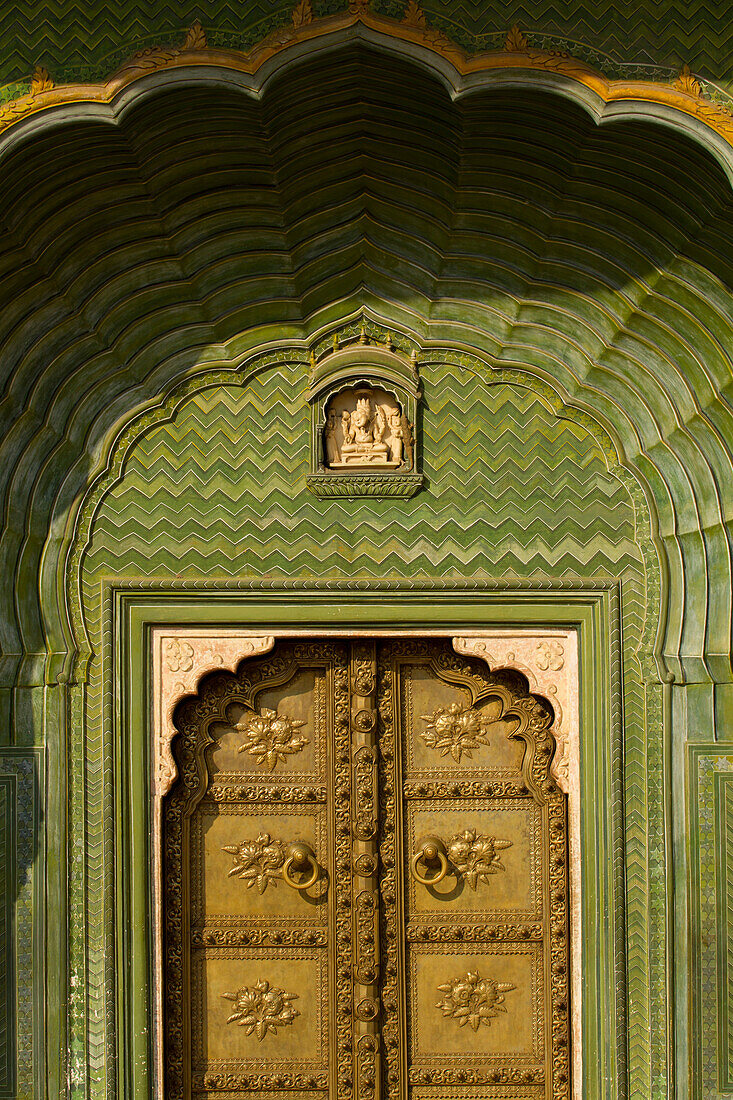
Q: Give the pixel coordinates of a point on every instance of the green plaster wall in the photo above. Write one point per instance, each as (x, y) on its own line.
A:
(211, 490)
(220, 491)
(632, 38)
(581, 278)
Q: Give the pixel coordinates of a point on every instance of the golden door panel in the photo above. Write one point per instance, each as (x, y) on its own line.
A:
(259, 1007)
(284, 736)
(494, 859)
(480, 1007)
(366, 882)
(474, 921)
(252, 941)
(444, 734)
(239, 857)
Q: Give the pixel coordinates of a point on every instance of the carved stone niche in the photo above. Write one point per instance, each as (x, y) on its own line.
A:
(364, 406)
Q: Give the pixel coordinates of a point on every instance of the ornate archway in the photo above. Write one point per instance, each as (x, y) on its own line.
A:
(233, 220)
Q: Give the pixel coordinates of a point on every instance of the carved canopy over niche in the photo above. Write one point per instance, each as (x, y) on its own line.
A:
(364, 435)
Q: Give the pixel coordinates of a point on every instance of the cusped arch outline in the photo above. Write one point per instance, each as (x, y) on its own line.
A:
(240, 373)
(679, 106)
(676, 461)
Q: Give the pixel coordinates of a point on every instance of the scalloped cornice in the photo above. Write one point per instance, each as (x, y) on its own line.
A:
(680, 104)
(181, 658)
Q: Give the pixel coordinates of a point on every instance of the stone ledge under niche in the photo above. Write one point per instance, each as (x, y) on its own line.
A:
(370, 484)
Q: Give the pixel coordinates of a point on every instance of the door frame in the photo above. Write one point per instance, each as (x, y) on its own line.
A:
(441, 609)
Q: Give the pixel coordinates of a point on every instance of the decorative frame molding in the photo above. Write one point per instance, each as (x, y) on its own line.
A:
(549, 660)
(680, 104)
(452, 613)
(181, 657)
(362, 363)
(708, 833)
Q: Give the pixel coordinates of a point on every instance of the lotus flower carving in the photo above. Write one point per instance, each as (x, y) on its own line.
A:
(473, 1000)
(270, 737)
(262, 1008)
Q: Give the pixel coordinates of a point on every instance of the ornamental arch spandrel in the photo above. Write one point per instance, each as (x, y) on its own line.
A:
(547, 248)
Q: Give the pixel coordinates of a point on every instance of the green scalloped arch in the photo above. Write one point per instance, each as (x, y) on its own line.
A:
(599, 259)
(595, 262)
(527, 490)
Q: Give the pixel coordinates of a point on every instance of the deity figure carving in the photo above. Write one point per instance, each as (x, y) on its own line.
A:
(332, 449)
(366, 428)
(366, 431)
(398, 436)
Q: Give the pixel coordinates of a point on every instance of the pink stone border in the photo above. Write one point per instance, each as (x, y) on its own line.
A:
(181, 657)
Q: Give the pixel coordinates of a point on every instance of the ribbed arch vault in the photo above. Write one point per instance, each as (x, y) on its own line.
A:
(207, 223)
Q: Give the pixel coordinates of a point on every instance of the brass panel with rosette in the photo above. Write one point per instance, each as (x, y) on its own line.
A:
(365, 881)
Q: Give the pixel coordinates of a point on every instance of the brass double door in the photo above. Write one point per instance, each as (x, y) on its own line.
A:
(365, 882)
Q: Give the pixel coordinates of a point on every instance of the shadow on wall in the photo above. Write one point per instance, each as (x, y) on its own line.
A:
(597, 257)
(21, 919)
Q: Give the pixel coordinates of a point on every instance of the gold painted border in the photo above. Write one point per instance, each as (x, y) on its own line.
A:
(684, 95)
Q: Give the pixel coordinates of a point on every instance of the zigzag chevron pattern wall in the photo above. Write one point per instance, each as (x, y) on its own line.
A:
(512, 492)
(83, 40)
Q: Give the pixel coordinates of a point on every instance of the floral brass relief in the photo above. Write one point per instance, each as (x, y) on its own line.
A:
(470, 853)
(262, 1008)
(259, 862)
(270, 737)
(473, 1000)
(455, 730)
(263, 861)
(476, 856)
